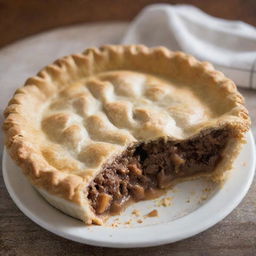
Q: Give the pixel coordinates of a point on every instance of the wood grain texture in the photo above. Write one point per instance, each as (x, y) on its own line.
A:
(20, 18)
(234, 236)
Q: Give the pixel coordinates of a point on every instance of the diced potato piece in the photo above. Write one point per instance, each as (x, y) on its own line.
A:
(138, 192)
(103, 202)
(134, 169)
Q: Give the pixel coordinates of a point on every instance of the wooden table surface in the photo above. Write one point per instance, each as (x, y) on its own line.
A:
(234, 236)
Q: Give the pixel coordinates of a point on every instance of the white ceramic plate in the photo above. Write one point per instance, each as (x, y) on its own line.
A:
(195, 206)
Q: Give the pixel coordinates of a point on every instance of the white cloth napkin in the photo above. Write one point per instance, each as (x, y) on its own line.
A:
(229, 45)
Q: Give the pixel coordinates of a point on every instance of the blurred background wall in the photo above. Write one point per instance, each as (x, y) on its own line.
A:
(20, 18)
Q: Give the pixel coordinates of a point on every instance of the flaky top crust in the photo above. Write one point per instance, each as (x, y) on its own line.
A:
(79, 112)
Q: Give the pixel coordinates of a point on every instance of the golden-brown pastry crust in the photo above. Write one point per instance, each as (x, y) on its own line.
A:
(84, 109)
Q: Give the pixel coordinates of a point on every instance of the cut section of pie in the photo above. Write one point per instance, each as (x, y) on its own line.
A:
(97, 131)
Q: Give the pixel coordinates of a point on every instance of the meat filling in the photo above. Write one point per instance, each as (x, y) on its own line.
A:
(148, 167)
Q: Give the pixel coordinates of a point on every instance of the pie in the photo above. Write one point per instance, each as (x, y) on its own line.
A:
(96, 131)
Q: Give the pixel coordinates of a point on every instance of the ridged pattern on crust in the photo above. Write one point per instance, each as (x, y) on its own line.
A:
(41, 154)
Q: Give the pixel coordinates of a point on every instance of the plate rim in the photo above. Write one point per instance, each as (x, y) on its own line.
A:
(133, 244)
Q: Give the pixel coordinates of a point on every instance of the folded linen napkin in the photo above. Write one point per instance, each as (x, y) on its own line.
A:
(229, 45)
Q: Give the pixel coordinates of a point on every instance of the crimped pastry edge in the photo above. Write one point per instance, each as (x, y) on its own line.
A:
(48, 81)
